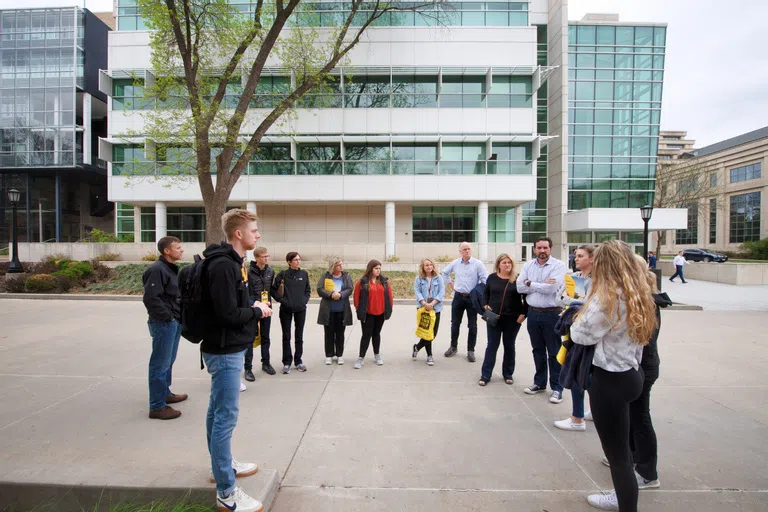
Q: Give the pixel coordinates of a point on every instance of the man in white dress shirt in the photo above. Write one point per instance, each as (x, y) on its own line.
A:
(679, 261)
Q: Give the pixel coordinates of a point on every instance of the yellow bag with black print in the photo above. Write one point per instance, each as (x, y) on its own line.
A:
(425, 324)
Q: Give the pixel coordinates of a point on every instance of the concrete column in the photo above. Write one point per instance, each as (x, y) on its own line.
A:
(389, 229)
(161, 221)
(137, 224)
(87, 129)
(482, 230)
(519, 232)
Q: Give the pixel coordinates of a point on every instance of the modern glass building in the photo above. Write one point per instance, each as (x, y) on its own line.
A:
(51, 116)
(430, 135)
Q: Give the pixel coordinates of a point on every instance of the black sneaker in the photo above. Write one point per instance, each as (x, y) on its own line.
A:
(267, 368)
(249, 376)
(534, 389)
(451, 351)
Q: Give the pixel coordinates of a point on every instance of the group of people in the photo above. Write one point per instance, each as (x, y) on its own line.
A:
(618, 319)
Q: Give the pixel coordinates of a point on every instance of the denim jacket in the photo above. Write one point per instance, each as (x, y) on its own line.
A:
(421, 288)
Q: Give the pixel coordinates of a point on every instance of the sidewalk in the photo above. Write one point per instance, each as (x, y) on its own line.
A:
(404, 436)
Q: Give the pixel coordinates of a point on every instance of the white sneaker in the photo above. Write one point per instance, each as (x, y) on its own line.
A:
(588, 416)
(430, 361)
(328, 361)
(568, 424)
(379, 360)
(333, 358)
(239, 501)
(242, 469)
(604, 501)
(359, 363)
(605, 462)
(242, 386)
(340, 360)
(642, 483)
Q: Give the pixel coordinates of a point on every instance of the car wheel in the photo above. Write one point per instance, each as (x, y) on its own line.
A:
(707, 259)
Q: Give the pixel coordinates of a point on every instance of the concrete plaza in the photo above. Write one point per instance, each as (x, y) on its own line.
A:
(404, 436)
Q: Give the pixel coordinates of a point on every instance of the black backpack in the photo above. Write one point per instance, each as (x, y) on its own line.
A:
(194, 314)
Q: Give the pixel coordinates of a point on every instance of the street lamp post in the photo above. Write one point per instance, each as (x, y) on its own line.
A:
(15, 266)
(645, 213)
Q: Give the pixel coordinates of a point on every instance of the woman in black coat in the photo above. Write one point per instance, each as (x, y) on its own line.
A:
(335, 314)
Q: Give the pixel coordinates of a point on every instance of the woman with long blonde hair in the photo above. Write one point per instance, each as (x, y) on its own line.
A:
(429, 288)
(618, 318)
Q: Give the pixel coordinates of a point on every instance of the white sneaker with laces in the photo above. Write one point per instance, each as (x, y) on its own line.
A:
(588, 416)
(328, 361)
(642, 483)
(604, 501)
(239, 501)
(242, 386)
(568, 424)
(242, 469)
(359, 363)
(379, 360)
(340, 360)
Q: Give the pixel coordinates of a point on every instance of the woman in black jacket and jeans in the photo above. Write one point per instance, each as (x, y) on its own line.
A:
(292, 289)
(501, 297)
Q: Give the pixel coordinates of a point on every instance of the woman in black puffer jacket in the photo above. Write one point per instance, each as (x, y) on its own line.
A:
(292, 289)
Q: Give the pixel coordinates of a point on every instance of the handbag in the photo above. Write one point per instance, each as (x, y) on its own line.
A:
(492, 318)
(425, 324)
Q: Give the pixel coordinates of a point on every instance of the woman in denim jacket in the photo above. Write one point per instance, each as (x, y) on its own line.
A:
(430, 292)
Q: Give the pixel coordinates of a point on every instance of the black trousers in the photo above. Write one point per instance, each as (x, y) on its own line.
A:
(334, 335)
(371, 330)
(298, 317)
(610, 395)
(642, 436)
(264, 326)
(428, 344)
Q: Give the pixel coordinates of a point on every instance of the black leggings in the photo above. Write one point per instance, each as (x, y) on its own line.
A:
(334, 334)
(642, 436)
(428, 344)
(371, 329)
(610, 395)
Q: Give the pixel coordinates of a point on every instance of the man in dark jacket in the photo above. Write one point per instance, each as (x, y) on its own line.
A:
(260, 277)
(232, 329)
(163, 302)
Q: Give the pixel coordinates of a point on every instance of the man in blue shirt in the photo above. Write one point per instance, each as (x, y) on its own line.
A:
(542, 280)
(468, 273)
(651, 260)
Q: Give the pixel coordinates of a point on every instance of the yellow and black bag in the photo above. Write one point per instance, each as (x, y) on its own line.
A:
(425, 324)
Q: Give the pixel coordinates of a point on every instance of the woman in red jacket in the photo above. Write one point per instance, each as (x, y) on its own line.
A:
(373, 302)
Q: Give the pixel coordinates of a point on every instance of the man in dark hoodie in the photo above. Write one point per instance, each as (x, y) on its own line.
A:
(292, 290)
(260, 278)
(162, 300)
(232, 328)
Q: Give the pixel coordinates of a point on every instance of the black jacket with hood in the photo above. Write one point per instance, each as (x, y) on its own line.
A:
(297, 289)
(233, 320)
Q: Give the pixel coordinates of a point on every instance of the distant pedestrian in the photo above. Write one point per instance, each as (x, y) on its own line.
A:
(260, 279)
(678, 262)
(572, 261)
(651, 259)
(335, 313)
(373, 302)
(163, 302)
(468, 273)
(542, 280)
(292, 290)
(429, 288)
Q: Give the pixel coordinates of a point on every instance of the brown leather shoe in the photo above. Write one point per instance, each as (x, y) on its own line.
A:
(173, 398)
(166, 413)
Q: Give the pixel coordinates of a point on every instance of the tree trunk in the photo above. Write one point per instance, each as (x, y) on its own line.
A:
(213, 211)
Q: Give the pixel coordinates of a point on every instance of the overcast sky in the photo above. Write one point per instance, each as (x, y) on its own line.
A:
(716, 80)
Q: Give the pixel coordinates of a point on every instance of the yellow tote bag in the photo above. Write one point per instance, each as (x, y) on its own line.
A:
(257, 339)
(425, 324)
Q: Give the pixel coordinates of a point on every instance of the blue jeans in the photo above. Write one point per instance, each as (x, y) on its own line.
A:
(546, 343)
(460, 304)
(678, 272)
(577, 397)
(506, 329)
(165, 345)
(223, 409)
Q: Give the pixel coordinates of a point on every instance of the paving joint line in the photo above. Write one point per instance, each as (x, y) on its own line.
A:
(491, 490)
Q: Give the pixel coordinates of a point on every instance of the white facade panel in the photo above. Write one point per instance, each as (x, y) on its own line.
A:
(324, 189)
(624, 219)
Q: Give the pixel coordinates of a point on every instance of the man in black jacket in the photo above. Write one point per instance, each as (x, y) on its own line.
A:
(232, 327)
(163, 302)
(260, 277)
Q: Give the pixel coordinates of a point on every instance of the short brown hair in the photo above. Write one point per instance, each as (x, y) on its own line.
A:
(259, 251)
(236, 219)
(291, 255)
(543, 239)
(165, 243)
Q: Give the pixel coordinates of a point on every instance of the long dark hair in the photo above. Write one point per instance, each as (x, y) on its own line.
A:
(369, 269)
